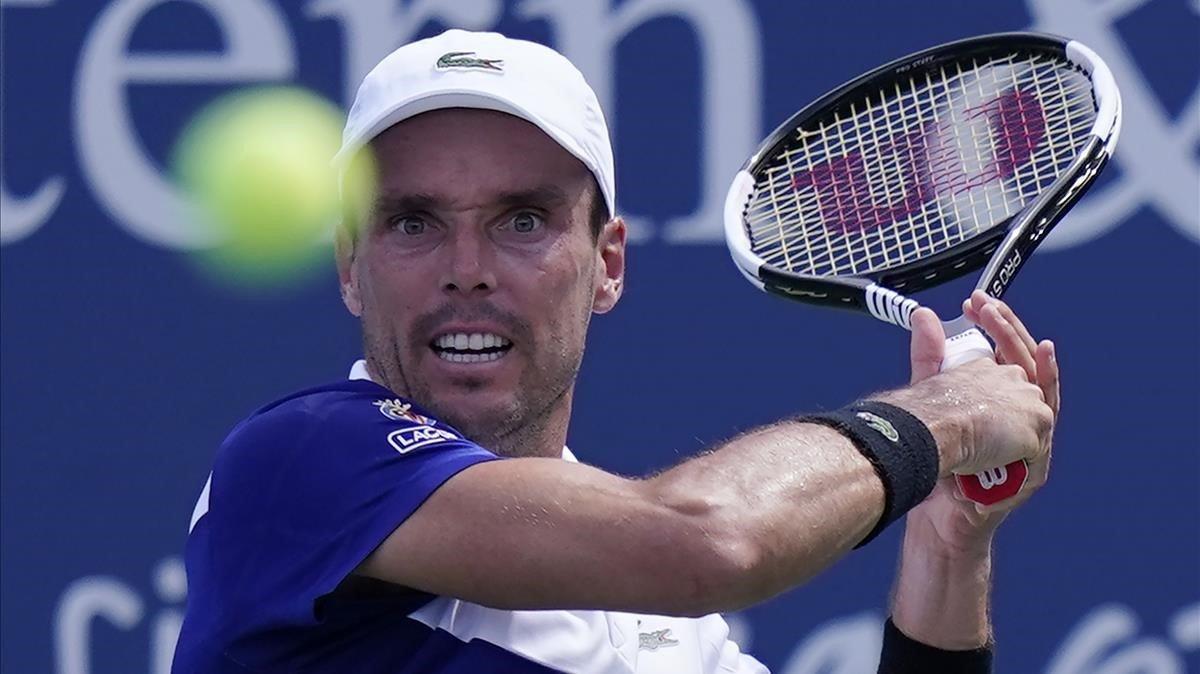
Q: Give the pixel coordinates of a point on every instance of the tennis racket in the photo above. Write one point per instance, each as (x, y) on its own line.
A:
(954, 158)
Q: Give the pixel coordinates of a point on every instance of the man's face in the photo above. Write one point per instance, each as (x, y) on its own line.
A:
(477, 271)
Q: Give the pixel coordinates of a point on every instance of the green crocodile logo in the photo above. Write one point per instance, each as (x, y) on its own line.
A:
(467, 59)
(880, 424)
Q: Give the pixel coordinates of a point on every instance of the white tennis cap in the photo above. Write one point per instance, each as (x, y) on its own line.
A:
(463, 69)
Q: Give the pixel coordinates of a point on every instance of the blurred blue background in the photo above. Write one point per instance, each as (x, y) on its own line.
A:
(123, 367)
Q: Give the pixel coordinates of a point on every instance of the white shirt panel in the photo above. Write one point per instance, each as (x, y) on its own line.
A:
(597, 642)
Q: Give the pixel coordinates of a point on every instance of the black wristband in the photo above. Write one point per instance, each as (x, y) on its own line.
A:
(904, 655)
(897, 444)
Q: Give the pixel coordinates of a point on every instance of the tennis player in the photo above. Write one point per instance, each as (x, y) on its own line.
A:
(423, 515)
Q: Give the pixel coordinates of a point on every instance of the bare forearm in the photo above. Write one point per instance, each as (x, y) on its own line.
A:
(792, 497)
(757, 516)
(942, 599)
(753, 518)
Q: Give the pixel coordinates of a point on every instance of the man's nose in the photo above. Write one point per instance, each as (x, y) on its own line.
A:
(469, 269)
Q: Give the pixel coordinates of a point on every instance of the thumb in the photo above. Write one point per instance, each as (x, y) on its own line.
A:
(928, 344)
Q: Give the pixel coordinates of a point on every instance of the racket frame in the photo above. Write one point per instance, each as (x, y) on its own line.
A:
(1001, 249)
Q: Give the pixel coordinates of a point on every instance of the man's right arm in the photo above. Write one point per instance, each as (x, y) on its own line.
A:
(758, 515)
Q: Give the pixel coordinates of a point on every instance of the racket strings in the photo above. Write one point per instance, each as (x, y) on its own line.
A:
(915, 169)
(814, 154)
(955, 206)
(888, 180)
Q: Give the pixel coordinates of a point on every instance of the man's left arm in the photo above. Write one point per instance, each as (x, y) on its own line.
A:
(941, 600)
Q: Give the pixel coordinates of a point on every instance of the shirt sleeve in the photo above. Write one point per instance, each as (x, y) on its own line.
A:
(303, 493)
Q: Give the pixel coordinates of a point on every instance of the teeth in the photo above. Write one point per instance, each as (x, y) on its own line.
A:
(461, 341)
(470, 357)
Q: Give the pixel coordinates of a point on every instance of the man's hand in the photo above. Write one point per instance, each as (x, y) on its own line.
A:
(942, 591)
(951, 521)
(982, 414)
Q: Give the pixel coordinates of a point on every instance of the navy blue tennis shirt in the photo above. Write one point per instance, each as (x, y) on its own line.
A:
(300, 494)
(303, 490)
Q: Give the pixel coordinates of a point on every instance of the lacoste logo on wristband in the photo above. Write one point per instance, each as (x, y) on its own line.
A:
(880, 424)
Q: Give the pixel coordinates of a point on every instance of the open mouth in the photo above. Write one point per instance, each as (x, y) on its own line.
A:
(474, 347)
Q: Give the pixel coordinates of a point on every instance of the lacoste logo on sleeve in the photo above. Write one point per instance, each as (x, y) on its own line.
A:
(398, 410)
(405, 440)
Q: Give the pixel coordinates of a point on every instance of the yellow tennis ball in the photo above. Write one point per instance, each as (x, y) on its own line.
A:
(256, 168)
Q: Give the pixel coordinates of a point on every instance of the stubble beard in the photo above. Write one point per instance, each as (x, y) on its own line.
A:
(533, 423)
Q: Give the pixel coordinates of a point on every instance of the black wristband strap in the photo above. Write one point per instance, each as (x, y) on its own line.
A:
(897, 444)
(904, 655)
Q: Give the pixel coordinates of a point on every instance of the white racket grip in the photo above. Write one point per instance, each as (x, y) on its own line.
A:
(997, 484)
(965, 347)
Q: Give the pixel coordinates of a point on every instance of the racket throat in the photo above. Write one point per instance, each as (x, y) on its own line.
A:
(964, 343)
(890, 306)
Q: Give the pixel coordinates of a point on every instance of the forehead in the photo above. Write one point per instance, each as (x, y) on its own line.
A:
(464, 151)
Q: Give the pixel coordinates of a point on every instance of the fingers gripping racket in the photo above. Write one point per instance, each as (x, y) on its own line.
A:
(920, 171)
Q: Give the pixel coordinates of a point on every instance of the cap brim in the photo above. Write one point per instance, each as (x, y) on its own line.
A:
(442, 100)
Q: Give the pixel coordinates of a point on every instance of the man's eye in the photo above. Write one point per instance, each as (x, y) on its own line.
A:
(410, 225)
(526, 222)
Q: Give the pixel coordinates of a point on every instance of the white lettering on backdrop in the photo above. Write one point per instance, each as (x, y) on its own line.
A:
(1158, 166)
(19, 217)
(109, 599)
(1155, 161)
(123, 178)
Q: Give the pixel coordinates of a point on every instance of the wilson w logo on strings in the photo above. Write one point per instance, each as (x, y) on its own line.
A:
(895, 178)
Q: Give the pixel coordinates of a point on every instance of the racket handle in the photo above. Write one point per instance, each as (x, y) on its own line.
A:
(965, 347)
(995, 484)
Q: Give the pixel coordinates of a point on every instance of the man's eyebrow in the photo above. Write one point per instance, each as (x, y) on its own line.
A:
(399, 203)
(542, 195)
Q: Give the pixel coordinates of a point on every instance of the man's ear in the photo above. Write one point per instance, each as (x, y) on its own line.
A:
(345, 251)
(610, 272)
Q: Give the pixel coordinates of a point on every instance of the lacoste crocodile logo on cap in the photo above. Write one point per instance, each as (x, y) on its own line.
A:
(467, 59)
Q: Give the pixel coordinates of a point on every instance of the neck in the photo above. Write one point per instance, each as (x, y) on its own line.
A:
(542, 434)
(539, 434)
